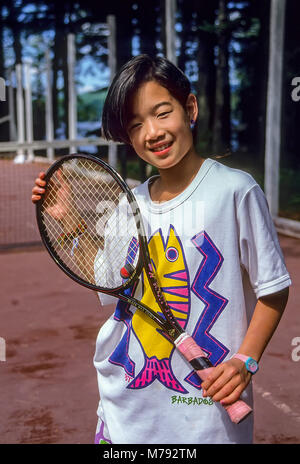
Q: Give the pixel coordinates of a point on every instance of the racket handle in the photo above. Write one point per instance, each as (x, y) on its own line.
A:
(187, 346)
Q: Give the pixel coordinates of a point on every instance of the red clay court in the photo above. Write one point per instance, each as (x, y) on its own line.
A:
(48, 387)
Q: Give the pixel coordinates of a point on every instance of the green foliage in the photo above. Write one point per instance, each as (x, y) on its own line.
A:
(90, 105)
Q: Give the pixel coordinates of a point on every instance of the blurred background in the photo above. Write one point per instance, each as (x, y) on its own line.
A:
(57, 59)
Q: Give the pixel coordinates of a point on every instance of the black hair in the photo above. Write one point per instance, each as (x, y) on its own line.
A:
(135, 72)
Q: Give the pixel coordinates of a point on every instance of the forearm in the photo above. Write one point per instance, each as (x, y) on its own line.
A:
(265, 319)
(230, 378)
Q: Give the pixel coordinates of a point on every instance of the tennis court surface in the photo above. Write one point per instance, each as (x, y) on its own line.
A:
(48, 389)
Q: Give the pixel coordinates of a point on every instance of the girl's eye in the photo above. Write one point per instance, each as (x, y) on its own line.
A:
(134, 126)
(164, 114)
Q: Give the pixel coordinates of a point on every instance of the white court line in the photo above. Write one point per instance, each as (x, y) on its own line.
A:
(279, 405)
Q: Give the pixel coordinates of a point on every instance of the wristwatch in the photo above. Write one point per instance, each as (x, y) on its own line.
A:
(250, 363)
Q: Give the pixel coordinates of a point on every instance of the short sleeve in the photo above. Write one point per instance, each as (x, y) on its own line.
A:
(260, 251)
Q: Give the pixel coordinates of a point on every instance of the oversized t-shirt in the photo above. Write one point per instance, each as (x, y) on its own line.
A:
(216, 251)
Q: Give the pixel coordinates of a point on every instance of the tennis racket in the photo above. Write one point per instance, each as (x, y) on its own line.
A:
(92, 227)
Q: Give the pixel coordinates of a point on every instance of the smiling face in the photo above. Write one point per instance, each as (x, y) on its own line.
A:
(159, 127)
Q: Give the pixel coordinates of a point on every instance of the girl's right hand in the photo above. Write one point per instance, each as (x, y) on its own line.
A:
(39, 188)
(61, 204)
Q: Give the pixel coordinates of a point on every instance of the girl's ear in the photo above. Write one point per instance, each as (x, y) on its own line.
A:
(192, 107)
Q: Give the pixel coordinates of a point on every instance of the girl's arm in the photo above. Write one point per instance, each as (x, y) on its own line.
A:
(230, 378)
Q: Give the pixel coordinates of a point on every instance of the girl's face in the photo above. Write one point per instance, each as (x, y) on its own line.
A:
(159, 127)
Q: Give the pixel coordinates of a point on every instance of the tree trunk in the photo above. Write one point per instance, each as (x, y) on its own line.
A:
(206, 84)
(221, 127)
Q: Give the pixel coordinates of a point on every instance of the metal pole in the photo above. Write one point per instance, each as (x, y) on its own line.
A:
(28, 110)
(72, 92)
(170, 8)
(49, 106)
(20, 113)
(112, 63)
(11, 109)
(273, 118)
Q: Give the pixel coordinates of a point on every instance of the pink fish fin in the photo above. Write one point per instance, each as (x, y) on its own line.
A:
(159, 369)
(178, 306)
(177, 291)
(178, 275)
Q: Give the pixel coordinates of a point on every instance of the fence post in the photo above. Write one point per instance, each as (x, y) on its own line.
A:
(20, 113)
(170, 9)
(72, 91)
(28, 110)
(112, 64)
(11, 109)
(273, 119)
(49, 106)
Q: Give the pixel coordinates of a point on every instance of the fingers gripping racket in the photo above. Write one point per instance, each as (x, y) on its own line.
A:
(91, 225)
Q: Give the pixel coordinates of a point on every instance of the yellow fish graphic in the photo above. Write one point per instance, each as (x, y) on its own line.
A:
(170, 267)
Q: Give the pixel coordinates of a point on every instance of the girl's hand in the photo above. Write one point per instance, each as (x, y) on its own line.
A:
(226, 382)
(39, 188)
(62, 201)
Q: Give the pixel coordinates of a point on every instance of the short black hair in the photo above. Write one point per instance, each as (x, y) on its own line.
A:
(135, 72)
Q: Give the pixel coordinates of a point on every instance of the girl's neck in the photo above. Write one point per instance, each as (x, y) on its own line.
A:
(173, 181)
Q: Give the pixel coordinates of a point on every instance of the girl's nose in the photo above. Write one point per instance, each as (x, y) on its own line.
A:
(152, 130)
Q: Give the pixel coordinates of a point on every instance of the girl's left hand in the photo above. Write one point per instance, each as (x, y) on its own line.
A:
(226, 381)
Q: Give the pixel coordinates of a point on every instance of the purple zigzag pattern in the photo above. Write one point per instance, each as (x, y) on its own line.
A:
(214, 302)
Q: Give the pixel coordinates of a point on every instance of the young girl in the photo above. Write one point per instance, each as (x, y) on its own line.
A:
(220, 266)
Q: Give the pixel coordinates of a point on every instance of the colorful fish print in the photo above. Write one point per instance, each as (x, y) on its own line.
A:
(169, 263)
(120, 355)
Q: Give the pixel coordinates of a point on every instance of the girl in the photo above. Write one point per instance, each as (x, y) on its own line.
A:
(220, 266)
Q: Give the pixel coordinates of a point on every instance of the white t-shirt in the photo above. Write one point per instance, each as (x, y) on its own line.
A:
(216, 251)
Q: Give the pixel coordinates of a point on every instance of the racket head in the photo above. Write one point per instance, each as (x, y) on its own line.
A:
(88, 197)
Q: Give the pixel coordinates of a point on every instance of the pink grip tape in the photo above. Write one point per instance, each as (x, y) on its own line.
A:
(187, 346)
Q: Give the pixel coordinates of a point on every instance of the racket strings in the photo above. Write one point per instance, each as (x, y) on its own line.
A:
(89, 222)
(66, 243)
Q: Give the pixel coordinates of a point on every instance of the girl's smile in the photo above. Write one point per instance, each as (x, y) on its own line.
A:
(161, 149)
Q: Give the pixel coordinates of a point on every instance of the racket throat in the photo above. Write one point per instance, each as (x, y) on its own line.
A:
(200, 363)
(172, 332)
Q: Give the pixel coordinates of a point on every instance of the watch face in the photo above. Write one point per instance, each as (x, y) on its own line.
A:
(252, 365)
